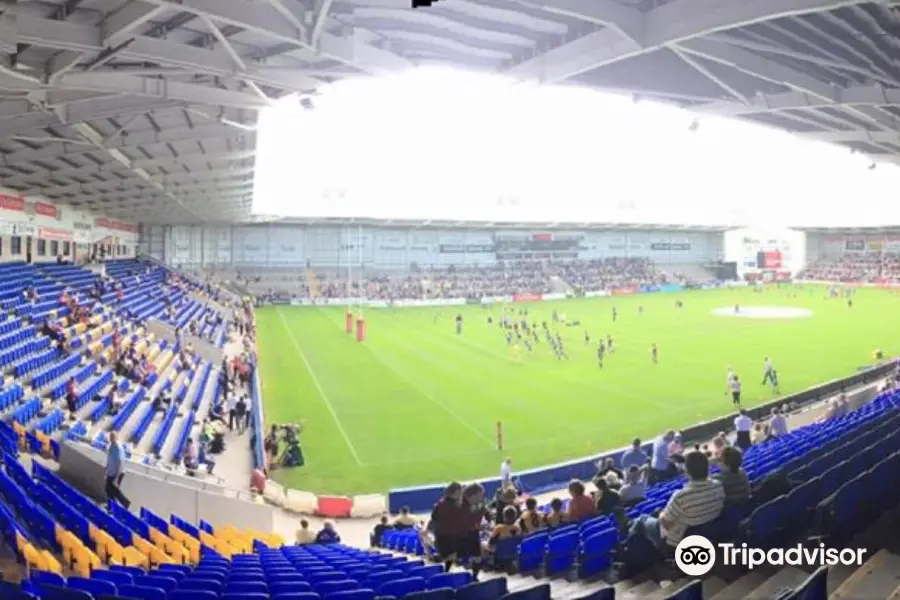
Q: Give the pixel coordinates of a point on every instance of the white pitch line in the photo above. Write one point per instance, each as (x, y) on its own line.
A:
(425, 393)
(318, 384)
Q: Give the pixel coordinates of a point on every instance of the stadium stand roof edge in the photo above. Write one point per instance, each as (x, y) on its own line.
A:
(849, 230)
(453, 224)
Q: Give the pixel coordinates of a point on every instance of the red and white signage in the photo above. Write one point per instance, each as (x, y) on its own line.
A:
(8, 202)
(46, 209)
(55, 233)
(115, 225)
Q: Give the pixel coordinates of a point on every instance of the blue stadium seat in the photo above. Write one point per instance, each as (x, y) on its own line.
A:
(538, 592)
(491, 589)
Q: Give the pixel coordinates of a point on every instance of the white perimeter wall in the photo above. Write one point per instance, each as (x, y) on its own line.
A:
(32, 222)
(394, 249)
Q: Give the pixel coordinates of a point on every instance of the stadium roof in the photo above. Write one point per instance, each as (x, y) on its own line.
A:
(145, 109)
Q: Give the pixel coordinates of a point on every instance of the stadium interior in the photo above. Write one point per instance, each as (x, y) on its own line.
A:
(456, 373)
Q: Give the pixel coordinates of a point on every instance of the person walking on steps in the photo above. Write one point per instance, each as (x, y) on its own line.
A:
(115, 472)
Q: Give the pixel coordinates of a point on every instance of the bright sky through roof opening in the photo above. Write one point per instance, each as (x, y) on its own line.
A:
(442, 144)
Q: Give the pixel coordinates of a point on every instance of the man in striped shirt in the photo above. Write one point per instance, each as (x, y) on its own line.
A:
(697, 503)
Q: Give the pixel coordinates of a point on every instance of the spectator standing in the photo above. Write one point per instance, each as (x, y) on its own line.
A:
(506, 473)
(743, 424)
(446, 522)
(634, 457)
(778, 426)
(115, 471)
(660, 468)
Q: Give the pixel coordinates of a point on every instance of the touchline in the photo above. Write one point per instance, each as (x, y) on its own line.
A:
(750, 558)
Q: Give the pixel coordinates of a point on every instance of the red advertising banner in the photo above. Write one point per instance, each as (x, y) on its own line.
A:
(12, 202)
(52, 233)
(527, 297)
(115, 225)
(625, 291)
(772, 259)
(542, 237)
(48, 210)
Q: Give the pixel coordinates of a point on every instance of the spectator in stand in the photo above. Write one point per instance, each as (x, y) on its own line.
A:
(447, 520)
(635, 485)
(660, 467)
(733, 477)
(606, 499)
(507, 528)
(743, 424)
(304, 536)
(115, 471)
(697, 503)
(532, 519)
(778, 426)
(557, 515)
(378, 532)
(581, 506)
(404, 520)
(328, 534)
(634, 457)
(506, 473)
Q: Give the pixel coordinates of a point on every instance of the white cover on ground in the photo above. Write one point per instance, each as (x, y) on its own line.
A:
(300, 502)
(369, 505)
(274, 493)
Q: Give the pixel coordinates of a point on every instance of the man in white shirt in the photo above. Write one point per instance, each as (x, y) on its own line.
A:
(778, 426)
(506, 473)
(743, 424)
(767, 371)
(231, 403)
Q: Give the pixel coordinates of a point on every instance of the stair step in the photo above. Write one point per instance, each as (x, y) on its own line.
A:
(642, 590)
(879, 577)
(787, 577)
(740, 588)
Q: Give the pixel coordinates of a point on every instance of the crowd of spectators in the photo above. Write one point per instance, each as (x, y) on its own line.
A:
(501, 279)
(855, 268)
(467, 526)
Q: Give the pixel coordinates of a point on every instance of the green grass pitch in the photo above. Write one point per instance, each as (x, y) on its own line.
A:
(417, 404)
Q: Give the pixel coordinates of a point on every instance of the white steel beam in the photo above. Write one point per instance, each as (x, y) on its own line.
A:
(865, 95)
(198, 162)
(626, 20)
(87, 39)
(862, 137)
(671, 23)
(141, 138)
(320, 18)
(207, 178)
(122, 24)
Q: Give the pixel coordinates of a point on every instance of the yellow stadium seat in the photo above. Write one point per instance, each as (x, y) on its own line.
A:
(69, 544)
(133, 557)
(34, 558)
(141, 544)
(50, 563)
(85, 562)
(190, 543)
